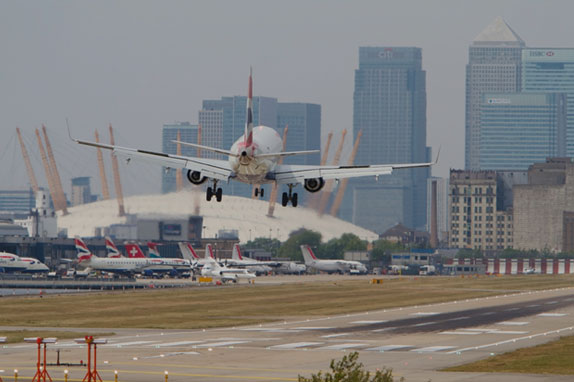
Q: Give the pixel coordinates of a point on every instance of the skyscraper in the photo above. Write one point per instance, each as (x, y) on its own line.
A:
(188, 133)
(390, 109)
(520, 129)
(494, 61)
(552, 70)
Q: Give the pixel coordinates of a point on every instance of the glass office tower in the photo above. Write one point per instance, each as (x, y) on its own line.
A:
(390, 109)
(552, 70)
(188, 133)
(494, 61)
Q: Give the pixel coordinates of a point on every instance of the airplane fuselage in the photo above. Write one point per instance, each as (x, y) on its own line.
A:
(247, 166)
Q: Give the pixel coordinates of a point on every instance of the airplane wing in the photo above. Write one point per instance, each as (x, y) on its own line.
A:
(298, 173)
(211, 168)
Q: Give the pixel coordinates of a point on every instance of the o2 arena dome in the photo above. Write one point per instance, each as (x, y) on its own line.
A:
(247, 216)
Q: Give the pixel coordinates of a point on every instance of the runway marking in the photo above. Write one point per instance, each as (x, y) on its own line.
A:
(180, 343)
(552, 314)
(533, 306)
(487, 313)
(569, 328)
(335, 335)
(296, 345)
(462, 333)
(505, 332)
(513, 323)
(426, 323)
(314, 327)
(369, 322)
(390, 348)
(493, 331)
(551, 302)
(342, 346)
(431, 349)
(122, 344)
(270, 330)
(172, 354)
(220, 344)
(424, 313)
(510, 310)
(383, 329)
(459, 318)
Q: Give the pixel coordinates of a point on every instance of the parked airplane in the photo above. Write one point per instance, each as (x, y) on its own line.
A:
(108, 264)
(158, 264)
(331, 266)
(237, 260)
(253, 159)
(213, 269)
(10, 262)
(188, 253)
(284, 267)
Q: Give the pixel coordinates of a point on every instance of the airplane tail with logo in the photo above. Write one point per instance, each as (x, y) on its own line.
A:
(111, 248)
(248, 135)
(308, 254)
(236, 254)
(209, 252)
(153, 250)
(134, 251)
(84, 253)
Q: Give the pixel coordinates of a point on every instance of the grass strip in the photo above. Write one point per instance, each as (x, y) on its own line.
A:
(551, 358)
(190, 308)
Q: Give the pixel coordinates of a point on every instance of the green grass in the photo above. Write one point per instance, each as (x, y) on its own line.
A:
(552, 358)
(15, 336)
(249, 304)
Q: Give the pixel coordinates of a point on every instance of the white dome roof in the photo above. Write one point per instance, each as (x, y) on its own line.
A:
(248, 216)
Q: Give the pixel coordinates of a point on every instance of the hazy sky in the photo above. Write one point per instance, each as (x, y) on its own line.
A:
(139, 64)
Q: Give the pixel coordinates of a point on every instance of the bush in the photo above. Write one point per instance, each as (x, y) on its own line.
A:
(350, 370)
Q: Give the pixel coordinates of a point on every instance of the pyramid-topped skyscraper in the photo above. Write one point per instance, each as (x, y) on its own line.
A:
(494, 66)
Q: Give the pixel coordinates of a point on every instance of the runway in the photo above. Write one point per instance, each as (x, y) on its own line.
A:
(415, 341)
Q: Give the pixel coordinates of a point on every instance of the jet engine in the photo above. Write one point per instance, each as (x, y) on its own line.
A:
(195, 177)
(314, 184)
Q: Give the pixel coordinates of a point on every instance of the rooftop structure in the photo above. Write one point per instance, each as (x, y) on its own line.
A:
(247, 216)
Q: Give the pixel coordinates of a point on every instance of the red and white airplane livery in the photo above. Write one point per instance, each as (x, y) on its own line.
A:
(253, 159)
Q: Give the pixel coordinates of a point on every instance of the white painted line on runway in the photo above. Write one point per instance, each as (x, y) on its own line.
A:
(342, 346)
(426, 323)
(551, 302)
(220, 344)
(132, 343)
(172, 354)
(533, 306)
(462, 333)
(424, 313)
(459, 318)
(270, 330)
(390, 348)
(369, 322)
(314, 328)
(335, 335)
(513, 323)
(383, 329)
(510, 310)
(505, 332)
(487, 313)
(296, 345)
(180, 343)
(431, 349)
(552, 314)
(557, 331)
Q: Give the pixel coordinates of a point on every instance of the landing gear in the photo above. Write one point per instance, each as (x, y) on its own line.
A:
(291, 196)
(259, 192)
(214, 191)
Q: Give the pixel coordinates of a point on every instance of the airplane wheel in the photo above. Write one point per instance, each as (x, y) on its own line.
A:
(219, 194)
(209, 194)
(284, 199)
(294, 200)
(256, 192)
(261, 192)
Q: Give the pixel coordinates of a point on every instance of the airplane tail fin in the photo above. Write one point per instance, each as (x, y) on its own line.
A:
(308, 254)
(236, 254)
(153, 249)
(209, 252)
(83, 251)
(248, 135)
(111, 248)
(134, 251)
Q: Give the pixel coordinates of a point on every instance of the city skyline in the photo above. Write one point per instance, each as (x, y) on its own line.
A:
(151, 65)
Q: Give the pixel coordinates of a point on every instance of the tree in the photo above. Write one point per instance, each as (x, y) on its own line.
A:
(269, 245)
(350, 370)
(291, 248)
(382, 250)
